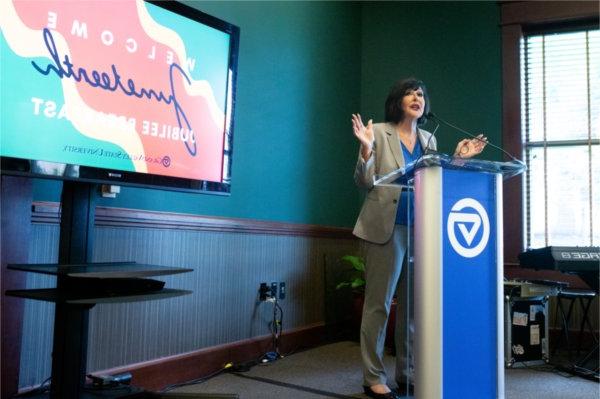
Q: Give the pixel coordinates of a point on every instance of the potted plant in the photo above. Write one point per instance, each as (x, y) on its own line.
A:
(357, 274)
(353, 272)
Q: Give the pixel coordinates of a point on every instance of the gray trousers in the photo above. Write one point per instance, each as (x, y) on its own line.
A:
(386, 276)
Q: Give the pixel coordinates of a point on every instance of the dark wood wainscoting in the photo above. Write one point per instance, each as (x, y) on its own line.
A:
(289, 252)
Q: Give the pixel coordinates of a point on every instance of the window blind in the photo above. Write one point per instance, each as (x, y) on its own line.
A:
(560, 91)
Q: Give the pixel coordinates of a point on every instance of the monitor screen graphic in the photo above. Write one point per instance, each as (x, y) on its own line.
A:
(123, 91)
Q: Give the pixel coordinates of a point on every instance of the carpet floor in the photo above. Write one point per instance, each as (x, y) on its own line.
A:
(334, 371)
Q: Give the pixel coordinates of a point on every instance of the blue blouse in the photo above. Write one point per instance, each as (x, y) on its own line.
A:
(401, 216)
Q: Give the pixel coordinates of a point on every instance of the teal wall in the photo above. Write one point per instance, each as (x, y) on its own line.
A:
(293, 151)
(304, 67)
(454, 47)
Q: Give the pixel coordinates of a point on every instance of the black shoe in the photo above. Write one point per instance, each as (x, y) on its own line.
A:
(404, 390)
(390, 395)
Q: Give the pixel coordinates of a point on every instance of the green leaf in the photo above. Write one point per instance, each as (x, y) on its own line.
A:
(356, 261)
(358, 282)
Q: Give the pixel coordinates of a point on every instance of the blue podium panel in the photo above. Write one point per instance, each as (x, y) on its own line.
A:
(469, 285)
(458, 253)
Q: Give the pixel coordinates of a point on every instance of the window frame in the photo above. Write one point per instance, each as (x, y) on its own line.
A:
(517, 17)
(552, 143)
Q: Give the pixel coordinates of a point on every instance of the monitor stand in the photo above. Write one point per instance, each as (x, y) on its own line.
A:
(69, 350)
(105, 282)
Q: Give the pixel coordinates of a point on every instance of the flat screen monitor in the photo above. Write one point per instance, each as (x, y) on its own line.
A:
(124, 92)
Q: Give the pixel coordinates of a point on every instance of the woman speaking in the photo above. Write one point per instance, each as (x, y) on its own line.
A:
(383, 225)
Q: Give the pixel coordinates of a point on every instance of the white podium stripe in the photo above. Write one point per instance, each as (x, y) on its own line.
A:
(500, 286)
(428, 284)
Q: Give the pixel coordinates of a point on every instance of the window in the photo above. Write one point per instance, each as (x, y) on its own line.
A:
(560, 91)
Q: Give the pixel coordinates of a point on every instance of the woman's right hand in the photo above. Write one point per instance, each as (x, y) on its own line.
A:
(364, 134)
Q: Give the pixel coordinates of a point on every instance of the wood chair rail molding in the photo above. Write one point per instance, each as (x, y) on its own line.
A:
(49, 212)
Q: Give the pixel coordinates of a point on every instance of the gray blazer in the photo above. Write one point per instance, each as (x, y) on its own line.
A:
(378, 214)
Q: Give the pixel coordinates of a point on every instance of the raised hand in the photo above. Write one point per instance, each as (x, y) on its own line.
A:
(468, 148)
(364, 134)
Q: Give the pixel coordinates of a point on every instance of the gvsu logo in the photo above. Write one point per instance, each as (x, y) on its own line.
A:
(468, 223)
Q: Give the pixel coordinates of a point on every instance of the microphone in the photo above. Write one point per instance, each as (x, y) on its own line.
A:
(433, 116)
(427, 150)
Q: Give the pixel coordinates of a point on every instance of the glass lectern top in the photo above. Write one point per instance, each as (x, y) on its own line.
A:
(100, 270)
(402, 176)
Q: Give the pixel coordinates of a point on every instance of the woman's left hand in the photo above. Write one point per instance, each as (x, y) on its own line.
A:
(468, 148)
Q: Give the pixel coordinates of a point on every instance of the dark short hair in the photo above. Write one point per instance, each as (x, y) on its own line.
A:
(393, 103)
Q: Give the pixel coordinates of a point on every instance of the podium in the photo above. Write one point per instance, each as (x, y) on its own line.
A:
(458, 263)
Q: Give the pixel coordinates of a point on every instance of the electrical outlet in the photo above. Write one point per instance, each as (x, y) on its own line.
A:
(274, 290)
(263, 291)
(282, 290)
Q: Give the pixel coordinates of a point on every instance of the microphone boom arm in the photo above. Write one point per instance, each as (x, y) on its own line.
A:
(431, 115)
